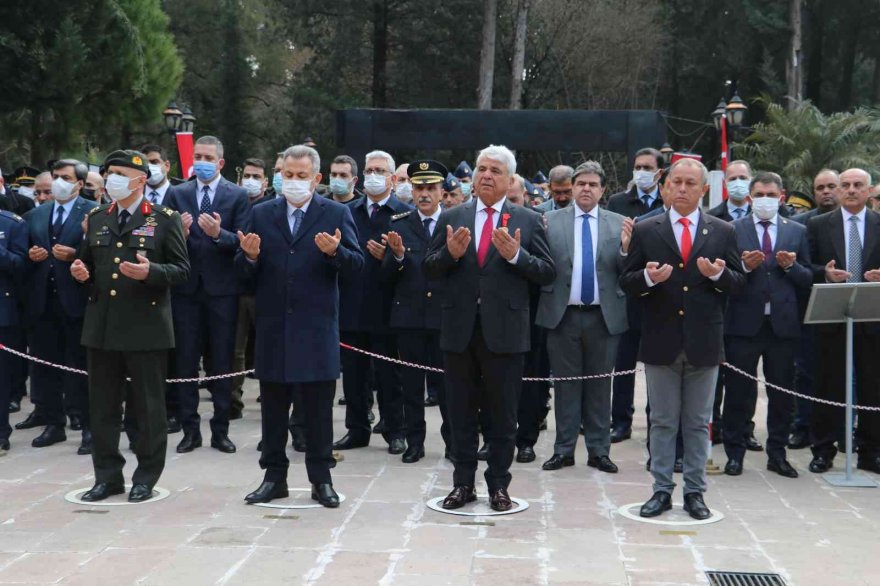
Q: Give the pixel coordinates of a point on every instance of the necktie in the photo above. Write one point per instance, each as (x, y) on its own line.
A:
(123, 218)
(686, 241)
(485, 236)
(588, 269)
(59, 222)
(738, 213)
(205, 208)
(766, 243)
(154, 196)
(854, 260)
(647, 200)
(373, 209)
(297, 221)
(427, 224)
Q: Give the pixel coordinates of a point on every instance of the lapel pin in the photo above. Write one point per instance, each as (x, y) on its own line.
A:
(705, 231)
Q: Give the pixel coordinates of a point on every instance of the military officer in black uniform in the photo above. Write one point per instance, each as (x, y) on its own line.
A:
(131, 256)
(415, 307)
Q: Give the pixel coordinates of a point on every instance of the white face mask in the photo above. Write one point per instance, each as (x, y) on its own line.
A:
(28, 192)
(738, 189)
(374, 184)
(765, 208)
(252, 186)
(404, 192)
(157, 176)
(117, 186)
(644, 180)
(296, 191)
(61, 190)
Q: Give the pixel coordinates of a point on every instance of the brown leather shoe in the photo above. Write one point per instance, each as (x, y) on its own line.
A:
(499, 500)
(459, 496)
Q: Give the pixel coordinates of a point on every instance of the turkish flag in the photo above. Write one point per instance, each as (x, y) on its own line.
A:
(185, 150)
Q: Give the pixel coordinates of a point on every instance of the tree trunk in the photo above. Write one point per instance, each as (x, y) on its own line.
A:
(380, 53)
(816, 24)
(793, 66)
(487, 55)
(848, 61)
(519, 54)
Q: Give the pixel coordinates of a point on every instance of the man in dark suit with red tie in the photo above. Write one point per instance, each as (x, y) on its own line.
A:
(682, 265)
(485, 322)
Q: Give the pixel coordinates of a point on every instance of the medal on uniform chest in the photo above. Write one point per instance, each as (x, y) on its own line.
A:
(505, 218)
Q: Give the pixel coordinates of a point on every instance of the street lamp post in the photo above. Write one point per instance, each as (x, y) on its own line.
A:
(180, 122)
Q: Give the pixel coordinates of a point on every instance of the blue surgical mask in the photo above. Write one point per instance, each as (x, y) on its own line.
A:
(339, 186)
(277, 183)
(466, 189)
(738, 189)
(205, 170)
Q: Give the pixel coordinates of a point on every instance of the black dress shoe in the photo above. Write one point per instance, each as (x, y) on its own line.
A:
(621, 433)
(799, 439)
(102, 490)
(174, 425)
(221, 442)
(752, 444)
(603, 463)
(379, 427)
(52, 435)
(483, 453)
(76, 423)
(191, 440)
(678, 467)
(235, 414)
(413, 454)
(733, 468)
(341, 401)
(459, 497)
(499, 500)
(431, 401)
(260, 446)
(266, 492)
(656, 505)
(350, 441)
(14, 406)
(558, 461)
(31, 421)
(396, 446)
(4, 447)
(525, 454)
(820, 464)
(85, 446)
(140, 493)
(869, 463)
(695, 507)
(781, 467)
(447, 455)
(324, 494)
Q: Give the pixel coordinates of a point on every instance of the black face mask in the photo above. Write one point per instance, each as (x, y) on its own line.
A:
(88, 193)
(563, 203)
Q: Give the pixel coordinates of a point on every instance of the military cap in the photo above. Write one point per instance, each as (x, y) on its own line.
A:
(801, 200)
(26, 175)
(451, 183)
(463, 170)
(539, 178)
(532, 190)
(128, 158)
(426, 171)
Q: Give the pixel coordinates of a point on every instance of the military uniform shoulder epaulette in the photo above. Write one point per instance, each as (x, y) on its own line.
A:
(11, 216)
(165, 211)
(101, 208)
(396, 217)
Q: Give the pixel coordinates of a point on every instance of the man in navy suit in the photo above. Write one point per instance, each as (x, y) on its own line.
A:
(13, 256)
(55, 304)
(205, 307)
(366, 308)
(763, 321)
(294, 248)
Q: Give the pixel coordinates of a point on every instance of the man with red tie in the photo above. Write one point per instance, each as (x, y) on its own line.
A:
(484, 321)
(681, 266)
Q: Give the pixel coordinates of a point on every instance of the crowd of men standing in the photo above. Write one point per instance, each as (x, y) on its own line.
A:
(478, 271)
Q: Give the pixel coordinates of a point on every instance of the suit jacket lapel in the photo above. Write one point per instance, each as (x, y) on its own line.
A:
(135, 221)
(312, 215)
(73, 220)
(418, 226)
(701, 235)
(281, 220)
(872, 226)
(667, 234)
(568, 233)
(472, 222)
(754, 239)
(835, 219)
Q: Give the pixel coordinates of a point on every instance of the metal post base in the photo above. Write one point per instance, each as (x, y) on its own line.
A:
(854, 481)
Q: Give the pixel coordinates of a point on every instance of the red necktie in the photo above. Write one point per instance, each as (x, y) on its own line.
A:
(686, 241)
(485, 237)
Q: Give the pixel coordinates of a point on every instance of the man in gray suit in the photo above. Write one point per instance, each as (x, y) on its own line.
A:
(585, 311)
(560, 189)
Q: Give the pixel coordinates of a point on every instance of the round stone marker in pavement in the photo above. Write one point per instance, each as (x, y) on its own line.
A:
(480, 508)
(296, 500)
(73, 496)
(676, 516)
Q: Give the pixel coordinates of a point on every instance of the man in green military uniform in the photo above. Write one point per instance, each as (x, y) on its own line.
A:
(132, 255)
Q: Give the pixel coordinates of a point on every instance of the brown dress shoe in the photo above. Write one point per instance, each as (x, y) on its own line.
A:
(499, 500)
(459, 496)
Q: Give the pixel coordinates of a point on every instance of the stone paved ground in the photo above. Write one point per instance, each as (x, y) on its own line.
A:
(804, 529)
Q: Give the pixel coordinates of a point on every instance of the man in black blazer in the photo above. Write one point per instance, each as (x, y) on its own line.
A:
(485, 320)
(681, 265)
(844, 248)
(737, 177)
(763, 321)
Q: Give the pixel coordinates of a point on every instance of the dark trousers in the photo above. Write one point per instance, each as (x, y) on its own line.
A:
(18, 367)
(8, 364)
(145, 399)
(390, 391)
(479, 378)
(314, 401)
(742, 393)
(421, 347)
(623, 386)
(533, 400)
(200, 319)
(804, 377)
(828, 422)
(56, 338)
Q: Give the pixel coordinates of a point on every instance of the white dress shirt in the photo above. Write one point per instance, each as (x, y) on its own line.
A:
(434, 217)
(577, 261)
(161, 190)
(480, 219)
(67, 207)
(212, 189)
(652, 195)
(131, 209)
(678, 230)
(381, 203)
(731, 207)
(291, 219)
(861, 225)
